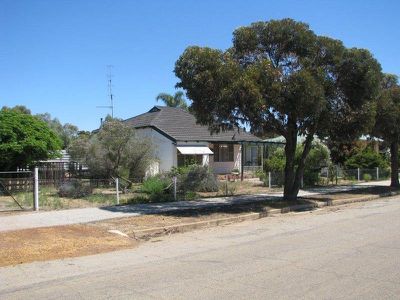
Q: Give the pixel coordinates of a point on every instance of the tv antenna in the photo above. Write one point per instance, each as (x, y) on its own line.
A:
(110, 94)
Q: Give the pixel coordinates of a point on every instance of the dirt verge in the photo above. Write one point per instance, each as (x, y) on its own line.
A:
(48, 243)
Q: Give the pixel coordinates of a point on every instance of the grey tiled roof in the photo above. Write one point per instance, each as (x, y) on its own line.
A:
(181, 125)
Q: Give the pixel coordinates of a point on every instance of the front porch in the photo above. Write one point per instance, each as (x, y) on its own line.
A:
(223, 158)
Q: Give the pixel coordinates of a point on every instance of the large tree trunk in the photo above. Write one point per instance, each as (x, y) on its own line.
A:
(302, 164)
(293, 176)
(394, 164)
(290, 153)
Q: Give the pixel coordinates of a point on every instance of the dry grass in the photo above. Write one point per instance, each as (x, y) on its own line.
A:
(48, 243)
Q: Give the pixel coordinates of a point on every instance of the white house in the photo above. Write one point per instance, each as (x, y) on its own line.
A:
(180, 140)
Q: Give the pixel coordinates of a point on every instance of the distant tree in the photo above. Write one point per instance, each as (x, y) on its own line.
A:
(177, 100)
(19, 108)
(113, 151)
(25, 139)
(388, 120)
(66, 132)
(280, 77)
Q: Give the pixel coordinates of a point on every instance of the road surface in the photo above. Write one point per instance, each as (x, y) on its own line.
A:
(349, 252)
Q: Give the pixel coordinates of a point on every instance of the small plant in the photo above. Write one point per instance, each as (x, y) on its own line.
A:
(74, 189)
(232, 189)
(158, 189)
(155, 185)
(190, 195)
(367, 177)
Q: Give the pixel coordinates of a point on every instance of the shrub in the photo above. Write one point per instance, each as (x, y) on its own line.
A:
(366, 159)
(74, 189)
(155, 185)
(367, 177)
(316, 159)
(198, 179)
(276, 161)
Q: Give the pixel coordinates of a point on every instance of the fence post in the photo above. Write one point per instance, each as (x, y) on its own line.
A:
(36, 189)
(377, 173)
(358, 174)
(337, 174)
(174, 187)
(117, 188)
(269, 180)
(226, 185)
(302, 181)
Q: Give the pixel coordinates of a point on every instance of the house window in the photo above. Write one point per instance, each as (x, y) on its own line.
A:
(186, 160)
(223, 152)
(252, 156)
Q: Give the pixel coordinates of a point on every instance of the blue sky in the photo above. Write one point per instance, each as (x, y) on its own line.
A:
(54, 54)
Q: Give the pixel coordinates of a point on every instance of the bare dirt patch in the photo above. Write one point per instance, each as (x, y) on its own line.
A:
(48, 243)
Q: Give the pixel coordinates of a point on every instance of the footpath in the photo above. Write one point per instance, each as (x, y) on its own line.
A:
(41, 236)
(39, 219)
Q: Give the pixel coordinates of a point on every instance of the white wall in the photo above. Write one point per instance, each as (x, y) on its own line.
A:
(165, 150)
(166, 153)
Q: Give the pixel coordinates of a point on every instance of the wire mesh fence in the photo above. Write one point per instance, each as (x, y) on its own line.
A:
(16, 190)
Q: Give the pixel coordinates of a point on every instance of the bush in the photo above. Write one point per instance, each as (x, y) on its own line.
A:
(155, 185)
(158, 188)
(367, 177)
(74, 189)
(366, 159)
(316, 159)
(198, 179)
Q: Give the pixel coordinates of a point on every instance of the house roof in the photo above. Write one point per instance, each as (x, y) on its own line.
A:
(180, 125)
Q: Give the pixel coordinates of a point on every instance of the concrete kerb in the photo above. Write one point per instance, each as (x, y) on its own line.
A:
(167, 230)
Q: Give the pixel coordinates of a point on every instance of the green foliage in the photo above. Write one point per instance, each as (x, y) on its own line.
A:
(198, 179)
(367, 177)
(280, 77)
(366, 159)
(387, 121)
(158, 188)
(66, 132)
(177, 100)
(276, 161)
(155, 185)
(74, 189)
(113, 152)
(317, 158)
(25, 139)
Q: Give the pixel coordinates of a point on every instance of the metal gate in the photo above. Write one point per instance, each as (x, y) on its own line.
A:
(16, 190)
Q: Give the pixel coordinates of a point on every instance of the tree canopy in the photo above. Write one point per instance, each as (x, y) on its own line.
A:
(113, 151)
(24, 139)
(279, 76)
(388, 120)
(67, 132)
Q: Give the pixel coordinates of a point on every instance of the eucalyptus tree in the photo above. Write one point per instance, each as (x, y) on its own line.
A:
(388, 120)
(280, 77)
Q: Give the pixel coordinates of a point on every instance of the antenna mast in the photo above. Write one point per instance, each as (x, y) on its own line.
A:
(110, 94)
(109, 75)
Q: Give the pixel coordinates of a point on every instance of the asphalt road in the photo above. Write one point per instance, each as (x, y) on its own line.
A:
(350, 252)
